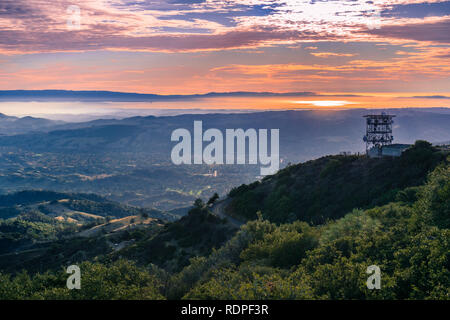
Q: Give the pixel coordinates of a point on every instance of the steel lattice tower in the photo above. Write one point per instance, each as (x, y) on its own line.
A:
(378, 130)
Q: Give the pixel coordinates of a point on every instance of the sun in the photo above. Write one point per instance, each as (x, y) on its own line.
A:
(324, 103)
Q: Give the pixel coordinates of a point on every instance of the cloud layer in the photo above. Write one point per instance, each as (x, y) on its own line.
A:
(46, 26)
(182, 46)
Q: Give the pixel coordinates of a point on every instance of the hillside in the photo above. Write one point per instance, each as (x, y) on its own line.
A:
(10, 125)
(195, 234)
(139, 238)
(408, 239)
(31, 218)
(329, 187)
(129, 160)
(76, 207)
(64, 244)
(318, 249)
(305, 134)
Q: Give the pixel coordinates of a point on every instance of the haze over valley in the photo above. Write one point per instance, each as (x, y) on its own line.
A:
(128, 160)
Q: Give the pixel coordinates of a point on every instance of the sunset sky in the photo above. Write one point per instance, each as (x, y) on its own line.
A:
(398, 48)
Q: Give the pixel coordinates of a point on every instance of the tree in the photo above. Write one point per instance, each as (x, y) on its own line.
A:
(198, 203)
(213, 199)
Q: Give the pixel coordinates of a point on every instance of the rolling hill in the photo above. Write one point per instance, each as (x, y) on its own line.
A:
(33, 218)
(129, 160)
(402, 227)
(304, 134)
(10, 125)
(331, 186)
(85, 207)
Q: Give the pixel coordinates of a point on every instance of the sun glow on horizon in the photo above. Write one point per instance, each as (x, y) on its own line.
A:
(325, 103)
(67, 109)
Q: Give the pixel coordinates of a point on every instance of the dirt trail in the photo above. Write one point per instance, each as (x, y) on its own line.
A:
(219, 210)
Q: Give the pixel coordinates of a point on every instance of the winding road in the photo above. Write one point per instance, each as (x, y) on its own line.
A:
(219, 210)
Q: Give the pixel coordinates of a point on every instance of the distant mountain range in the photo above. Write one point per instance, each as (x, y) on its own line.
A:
(114, 96)
(303, 134)
(14, 125)
(129, 160)
(68, 95)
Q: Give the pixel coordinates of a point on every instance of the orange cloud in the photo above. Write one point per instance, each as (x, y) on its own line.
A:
(332, 54)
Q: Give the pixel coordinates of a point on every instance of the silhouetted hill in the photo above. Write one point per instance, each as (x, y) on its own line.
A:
(15, 125)
(69, 95)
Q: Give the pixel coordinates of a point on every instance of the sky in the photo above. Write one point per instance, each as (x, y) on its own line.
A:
(398, 48)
